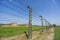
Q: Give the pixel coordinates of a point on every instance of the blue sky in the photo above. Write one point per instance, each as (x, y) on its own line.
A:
(17, 11)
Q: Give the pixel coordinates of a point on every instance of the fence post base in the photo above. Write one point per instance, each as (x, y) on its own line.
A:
(29, 39)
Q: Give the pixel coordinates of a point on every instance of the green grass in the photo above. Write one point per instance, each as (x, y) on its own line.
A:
(11, 31)
(57, 33)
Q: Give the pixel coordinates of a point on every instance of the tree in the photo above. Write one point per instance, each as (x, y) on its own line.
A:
(54, 25)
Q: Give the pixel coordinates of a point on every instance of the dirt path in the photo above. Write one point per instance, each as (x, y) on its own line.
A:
(20, 37)
(46, 36)
(35, 36)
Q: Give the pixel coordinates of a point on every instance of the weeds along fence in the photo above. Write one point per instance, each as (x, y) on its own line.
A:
(16, 19)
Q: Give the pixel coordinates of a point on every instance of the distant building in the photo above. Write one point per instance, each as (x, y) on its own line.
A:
(23, 24)
(13, 24)
(10, 24)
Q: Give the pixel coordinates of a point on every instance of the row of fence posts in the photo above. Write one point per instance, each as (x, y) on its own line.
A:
(47, 24)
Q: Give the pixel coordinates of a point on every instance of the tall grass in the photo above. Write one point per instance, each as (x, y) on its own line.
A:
(57, 33)
(11, 31)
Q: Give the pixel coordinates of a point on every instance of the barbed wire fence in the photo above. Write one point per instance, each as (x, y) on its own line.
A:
(28, 17)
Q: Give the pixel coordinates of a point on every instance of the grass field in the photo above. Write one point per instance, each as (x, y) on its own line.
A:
(11, 31)
(57, 33)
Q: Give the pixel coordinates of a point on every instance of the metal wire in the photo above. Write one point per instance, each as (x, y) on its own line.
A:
(12, 9)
